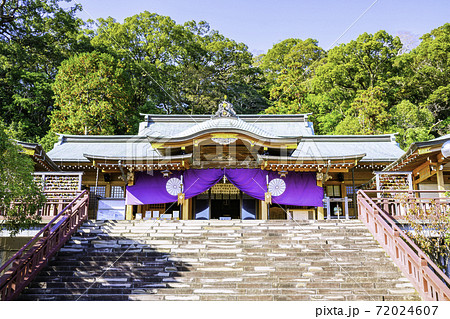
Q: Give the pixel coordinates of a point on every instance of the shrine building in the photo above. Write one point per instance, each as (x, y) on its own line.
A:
(225, 166)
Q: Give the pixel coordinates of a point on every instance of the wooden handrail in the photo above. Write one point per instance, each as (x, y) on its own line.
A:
(430, 281)
(32, 257)
(53, 205)
(404, 191)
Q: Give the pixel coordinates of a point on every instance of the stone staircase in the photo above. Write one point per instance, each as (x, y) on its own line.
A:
(221, 260)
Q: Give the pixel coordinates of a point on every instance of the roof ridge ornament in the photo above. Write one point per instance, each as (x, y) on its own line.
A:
(225, 110)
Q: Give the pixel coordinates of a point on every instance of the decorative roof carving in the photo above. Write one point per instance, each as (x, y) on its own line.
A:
(225, 110)
(226, 123)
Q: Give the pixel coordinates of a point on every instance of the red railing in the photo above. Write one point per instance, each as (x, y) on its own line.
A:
(430, 281)
(23, 267)
(55, 202)
(397, 203)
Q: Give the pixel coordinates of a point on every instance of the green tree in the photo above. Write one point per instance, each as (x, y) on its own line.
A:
(180, 68)
(93, 96)
(363, 63)
(413, 123)
(347, 70)
(20, 197)
(367, 114)
(349, 89)
(426, 74)
(288, 67)
(35, 37)
(277, 59)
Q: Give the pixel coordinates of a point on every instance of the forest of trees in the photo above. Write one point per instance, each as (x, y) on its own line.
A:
(61, 74)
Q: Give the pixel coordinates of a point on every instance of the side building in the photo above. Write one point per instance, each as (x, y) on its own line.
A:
(427, 164)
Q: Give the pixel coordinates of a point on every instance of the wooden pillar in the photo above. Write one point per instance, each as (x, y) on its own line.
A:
(108, 190)
(320, 214)
(263, 208)
(140, 210)
(129, 212)
(440, 180)
(185, 209)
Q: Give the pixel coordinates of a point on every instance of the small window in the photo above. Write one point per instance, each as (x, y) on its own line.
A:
(334, 190)
(350, 194)
(117, 192)
(94, 193)
(349, 190)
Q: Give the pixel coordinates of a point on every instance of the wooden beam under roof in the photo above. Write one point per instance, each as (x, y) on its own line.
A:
(113, 164)
(288, 143)
(311, 164)
(424, 171)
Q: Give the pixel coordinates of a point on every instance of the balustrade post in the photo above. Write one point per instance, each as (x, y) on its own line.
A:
(359, 205)
(383, 204)
(423, 264)
(346, 208)
(328, 208)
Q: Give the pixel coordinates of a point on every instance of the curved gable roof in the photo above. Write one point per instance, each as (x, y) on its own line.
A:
(284, 125)
(226, 124)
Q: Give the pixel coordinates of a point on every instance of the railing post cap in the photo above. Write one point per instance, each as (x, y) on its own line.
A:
(423, 261)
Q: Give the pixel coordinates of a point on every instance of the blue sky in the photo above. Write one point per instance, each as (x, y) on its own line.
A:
(261, 24)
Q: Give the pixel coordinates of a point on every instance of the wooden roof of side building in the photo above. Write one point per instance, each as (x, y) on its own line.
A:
(418, 153)
(41, 159)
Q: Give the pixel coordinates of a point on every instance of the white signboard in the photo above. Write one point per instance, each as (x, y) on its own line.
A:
(111, 209)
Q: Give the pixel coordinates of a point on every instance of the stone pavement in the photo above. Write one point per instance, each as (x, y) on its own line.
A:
(221, 260)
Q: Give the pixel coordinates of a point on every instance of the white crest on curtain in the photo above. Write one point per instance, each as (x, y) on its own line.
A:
(173, 186)
(277, 187)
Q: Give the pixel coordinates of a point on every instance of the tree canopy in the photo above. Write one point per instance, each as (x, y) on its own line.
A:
(289, 67)
(180, 68)
(93, 96)
(367, 86)
(35, 37)
(426, 77)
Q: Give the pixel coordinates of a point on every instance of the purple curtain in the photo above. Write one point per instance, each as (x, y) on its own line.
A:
(156, 189)
(296, 188)
(196, 181)
(150, 189)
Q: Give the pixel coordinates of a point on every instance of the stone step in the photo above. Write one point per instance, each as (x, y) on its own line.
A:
(126, 289)
(207, 297)
(234, 283)
(220, 266)
(196, 262)
(391, 281)
(221, 260)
